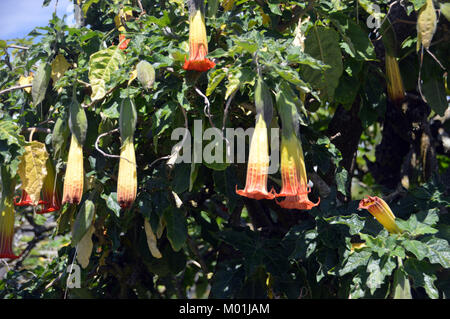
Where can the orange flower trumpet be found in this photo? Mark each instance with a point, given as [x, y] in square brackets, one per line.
[381, 211]
[198, 43]
[258, 164]
[293, 175]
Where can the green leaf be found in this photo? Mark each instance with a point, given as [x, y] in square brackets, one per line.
[422, 275]
[10, 132]
[401, 285]
[356, 42]
[418, 4]
[354, 222]
[342, 180]
[355, 260]
[419, 249]
[215, 78]
[87, 5]
[438, 251]
[102, 65]
[445, 10]
[83, 221]
[423, 227]
[40, 82]
[176, 227]
[322, 43]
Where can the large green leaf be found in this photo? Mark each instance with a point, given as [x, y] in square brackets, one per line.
[40, 82]
[101, 65]
[322, 43]
[10, 132]
[83, 221]
[422, 275]
[176, 227]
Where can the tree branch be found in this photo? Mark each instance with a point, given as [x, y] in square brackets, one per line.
[18, 87]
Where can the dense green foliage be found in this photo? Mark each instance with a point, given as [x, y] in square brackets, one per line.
[214, 243]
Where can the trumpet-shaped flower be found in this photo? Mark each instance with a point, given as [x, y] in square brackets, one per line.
[381, 211]
[127, 179]
[25, 199]
[198, 44]
[74, 179]
[51, 196]
[258, 164]
[7, 229]
[295, 187]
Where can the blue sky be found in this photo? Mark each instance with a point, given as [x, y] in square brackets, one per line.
[19, 17]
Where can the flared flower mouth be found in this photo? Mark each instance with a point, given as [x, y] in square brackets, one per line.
[198, 45]
[258, 165]
[381, 211]
[295, 187]
[25, 200]
[299, 201]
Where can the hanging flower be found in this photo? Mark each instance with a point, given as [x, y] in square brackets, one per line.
[381, 211]
[73, 182]
[127, 179]
[258, 164]
[50, 192]
[395, 88]
[7, 230]
[25, 199]
[198, 44]
[293, 175]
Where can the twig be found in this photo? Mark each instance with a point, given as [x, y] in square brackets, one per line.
[140, 7]
[207, 112]
[227, 107]
[37, 130]
[18, 87]
[106, 154]
[13, 46]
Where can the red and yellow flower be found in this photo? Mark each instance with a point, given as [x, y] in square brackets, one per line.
[295, 187]
[381, 211]
[198, 44]
[25, 199]
[51, 196]
[7, 229]
[258, 164]
[74, 179]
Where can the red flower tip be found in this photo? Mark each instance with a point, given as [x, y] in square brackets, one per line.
[300, 201]
[25, 200]
[256, 193]
[365, 203]
[8, 256]
[198, 65]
